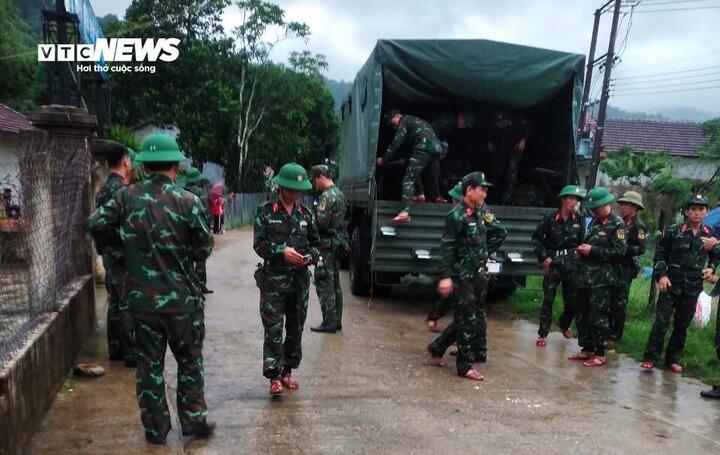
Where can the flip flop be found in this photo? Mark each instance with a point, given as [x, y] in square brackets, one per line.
[289, 382]
[276, 387]
[675, 368]
[401, 219]
[595, 361]
[88, 370]
[647, 365]
[582, 355]
[541, 342]
[474, 375]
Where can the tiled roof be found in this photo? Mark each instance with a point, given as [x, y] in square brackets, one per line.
[12, 121]
[679, 139]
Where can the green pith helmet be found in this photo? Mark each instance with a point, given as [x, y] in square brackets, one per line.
[632, 197]
[389, 116]
[160, 148]
[456, 192]
[597, 197]
[572, 190]
[293, 177]
[697, 199]
[320, 169]
[193, 175]
[474, 179]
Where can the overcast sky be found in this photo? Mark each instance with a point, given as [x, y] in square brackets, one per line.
[658, 43]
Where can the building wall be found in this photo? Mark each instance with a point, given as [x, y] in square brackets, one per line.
[686, 168]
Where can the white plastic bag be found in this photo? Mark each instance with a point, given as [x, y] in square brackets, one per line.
[703, 309]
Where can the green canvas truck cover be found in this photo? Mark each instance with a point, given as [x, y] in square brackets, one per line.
[449, 72]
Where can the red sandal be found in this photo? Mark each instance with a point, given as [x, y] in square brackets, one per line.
[289, 382]
[675, 368]
[582, 355]
[541, 342]
[474, 375]
[647, 365]
[402, 217]
[595, 361]
[276, 387]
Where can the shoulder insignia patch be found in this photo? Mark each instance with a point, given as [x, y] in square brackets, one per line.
[602, 233]
[275, 207]
[468, 211]
[621, 234]
[641, 234]
[321, 206]
[488, 217]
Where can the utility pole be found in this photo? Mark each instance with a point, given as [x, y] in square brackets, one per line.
[597, 143]
[588, 73]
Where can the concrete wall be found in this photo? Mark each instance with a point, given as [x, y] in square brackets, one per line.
[29, 383]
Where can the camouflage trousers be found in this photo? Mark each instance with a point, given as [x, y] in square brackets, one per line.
[418, 160]
[440, 308]
[618, 308]
[565, 274]
[504, 170]
[593, 318]
[278, 307]
[201, 270]
[469, 327]
[329, 292]
[430, 177]
[184, 333]
[677, 304]
[120, 332]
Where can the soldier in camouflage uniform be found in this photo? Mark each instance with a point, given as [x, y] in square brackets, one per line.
[286, 237]
[470, 235]
[714, 392]
[635, 229]
[506, 146]
[195, 183]
[603, 247]
[329, 217]
[682, 257]
[426, 148]
[556, 239]
[444, 304]
[164, 232]
[119, 321]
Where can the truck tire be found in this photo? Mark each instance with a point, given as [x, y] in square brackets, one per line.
[358, 267]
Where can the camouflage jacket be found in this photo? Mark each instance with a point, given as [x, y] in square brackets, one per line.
[506, 133]
[418, 133]
[202, 194]
[607, 240]
[163, 233]
[329, 216]
[469, 237]
[274, 230]
[556, 238]
[112, 245]
[680, 255]
[635, 239]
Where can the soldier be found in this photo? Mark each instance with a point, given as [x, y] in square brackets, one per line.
[444, 304]
[714, 393]
[470, 235]
[329, 216]
[119, 320]
[426, 148]
[630, 203]
[681, 258]
[506, 146]
[604, 245]
[556, 239]
[194, 183]
[164, 233]
[286, 237]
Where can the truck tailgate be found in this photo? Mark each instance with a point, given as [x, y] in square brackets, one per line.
[415, 247]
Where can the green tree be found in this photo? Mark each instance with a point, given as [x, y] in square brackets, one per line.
[21, 84]
[710, 150]
[636, 167]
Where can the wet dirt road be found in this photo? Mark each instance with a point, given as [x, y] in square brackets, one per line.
[371, 390]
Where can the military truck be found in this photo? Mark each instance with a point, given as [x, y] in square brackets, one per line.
[436, 78]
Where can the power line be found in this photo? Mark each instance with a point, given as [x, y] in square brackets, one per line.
[663, 62]
[666, 91]
[630, 3]
[693, 70]
[677, 9]
[622, 87]
[665, 79]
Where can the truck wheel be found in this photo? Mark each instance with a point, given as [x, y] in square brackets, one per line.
[358, 265]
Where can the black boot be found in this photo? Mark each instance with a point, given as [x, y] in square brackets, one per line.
[322, 328]
[713, 394]
[203, 431]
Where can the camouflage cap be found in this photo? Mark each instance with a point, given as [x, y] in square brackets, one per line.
[474, 179]
[632, 197]
[320, 169]
[597, 197]
[697, 199]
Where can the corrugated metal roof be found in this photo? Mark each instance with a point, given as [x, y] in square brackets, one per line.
[677, 138]
[12, 121]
